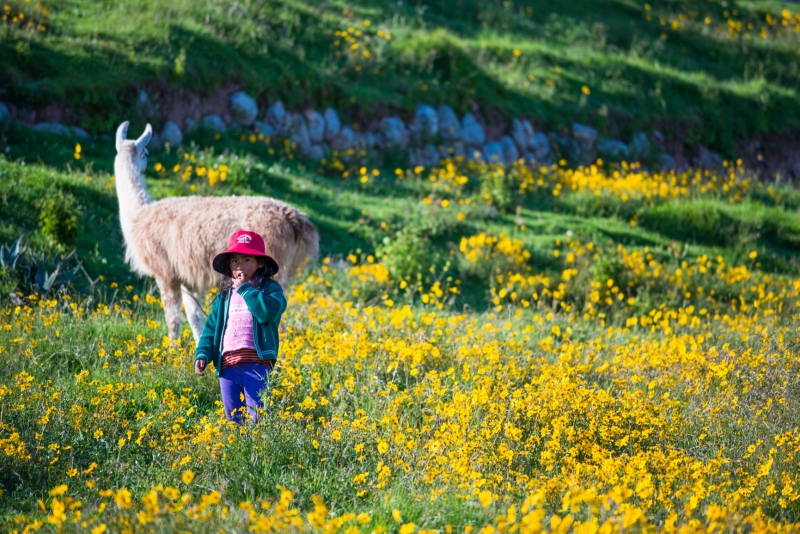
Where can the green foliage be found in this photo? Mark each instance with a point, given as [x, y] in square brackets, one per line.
[497, 187]
[407, 255]
[24, 270]
[59, 219]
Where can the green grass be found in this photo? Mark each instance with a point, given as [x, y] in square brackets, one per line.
[697, 82]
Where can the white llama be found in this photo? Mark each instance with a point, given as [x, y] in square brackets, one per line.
[175, 239]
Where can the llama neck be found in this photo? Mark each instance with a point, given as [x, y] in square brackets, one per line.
[131, 192]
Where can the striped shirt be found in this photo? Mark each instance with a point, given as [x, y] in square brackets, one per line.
[235, 357]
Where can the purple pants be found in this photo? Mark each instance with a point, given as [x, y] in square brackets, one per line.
[241, 386]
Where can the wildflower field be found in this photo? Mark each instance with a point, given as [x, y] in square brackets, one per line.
[477, 350]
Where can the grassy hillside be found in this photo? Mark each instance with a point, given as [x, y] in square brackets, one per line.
[559, 349]
[705, 72]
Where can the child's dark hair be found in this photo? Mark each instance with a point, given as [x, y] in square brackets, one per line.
[259, 278]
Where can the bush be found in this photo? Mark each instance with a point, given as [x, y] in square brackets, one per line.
[58, 219]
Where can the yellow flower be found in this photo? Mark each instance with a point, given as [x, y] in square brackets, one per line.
[407, 528]
[383, 447]
[585, 90]
[485, 497]
[187, 476]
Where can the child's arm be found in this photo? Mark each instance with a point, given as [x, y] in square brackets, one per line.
[266, 305]
[205, 344]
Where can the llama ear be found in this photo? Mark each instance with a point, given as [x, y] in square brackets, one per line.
[122, 134]
[141, 143]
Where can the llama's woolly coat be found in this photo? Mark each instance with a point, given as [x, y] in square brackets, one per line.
[161, 247]
[175, 239]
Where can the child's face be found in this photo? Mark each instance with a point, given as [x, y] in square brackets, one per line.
[243, 266]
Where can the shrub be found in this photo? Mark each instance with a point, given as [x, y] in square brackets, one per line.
[58, 219]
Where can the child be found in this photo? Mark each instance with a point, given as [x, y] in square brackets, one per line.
[241, 333]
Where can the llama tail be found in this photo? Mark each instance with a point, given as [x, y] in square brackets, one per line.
[307, 243]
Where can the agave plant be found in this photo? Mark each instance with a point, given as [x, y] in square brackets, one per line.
[9, 256]
[33, 272]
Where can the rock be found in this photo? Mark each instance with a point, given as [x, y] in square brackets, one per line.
[667, 162]
[706, 159]
[53, 128]
[613, 149]
[298, 133]
[426, 121]
[474, 154]
[264, 128]
[190, 125]
[449, 126]
[510, 152]
[455, 150]
[316, 125]
[494, 153]
[332, 124]
[171, 134]
[585, 136]
[540, 146]
[344, 140]
[214, 123]
[144, 105]
[658, 137]
[530, 158]
[471, 131]
[277, 117]
[77, 131]
[4, 114]
[244, 109]
[316, 152]
[154, 142]
[522, 133]
[426, 156]
[369, 139]
[640, 145]
[393, 133]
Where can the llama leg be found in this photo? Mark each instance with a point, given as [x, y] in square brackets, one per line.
[194, 311]
[171, 298]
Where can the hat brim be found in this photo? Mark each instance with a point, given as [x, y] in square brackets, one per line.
[220, 261]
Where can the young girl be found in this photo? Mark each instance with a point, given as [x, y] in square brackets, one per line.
[241, 333]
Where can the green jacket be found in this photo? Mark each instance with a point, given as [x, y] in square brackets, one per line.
[266, 304]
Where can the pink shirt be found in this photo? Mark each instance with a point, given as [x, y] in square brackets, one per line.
[239, 328]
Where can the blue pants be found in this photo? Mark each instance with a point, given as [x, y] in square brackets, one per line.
[241, 386]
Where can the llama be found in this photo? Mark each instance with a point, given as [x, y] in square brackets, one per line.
[175, 238]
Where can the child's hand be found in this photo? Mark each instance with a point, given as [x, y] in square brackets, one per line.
[239, 280]
[199, 366]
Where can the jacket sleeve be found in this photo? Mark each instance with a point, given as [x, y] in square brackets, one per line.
[205, 346]
[266, 304]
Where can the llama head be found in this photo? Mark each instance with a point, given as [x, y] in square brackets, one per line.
[135, 152]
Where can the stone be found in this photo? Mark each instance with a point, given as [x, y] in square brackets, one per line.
[474, 154]
[449, 126]
[640, 145]
[171, 134]
[298, 133]
[244, 109]
[77, 131]
[540, 147]
[144, 105]
[277, 117]
[332, 124]
[707, 159]
[316, 125]
[471, 131]
[585, 136]
[510, 152]
[452, 151]
[55, 128]
[530, 158]
[315, 152]
[214, 123]
[344, 140]
[190, 125]
[667, 163]
[426, 121]
[426, 156]
[613, 149]
[494, 153]
[522, 133]
[369, 139]
[4, 113]
[394, 133]
[264, 128]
